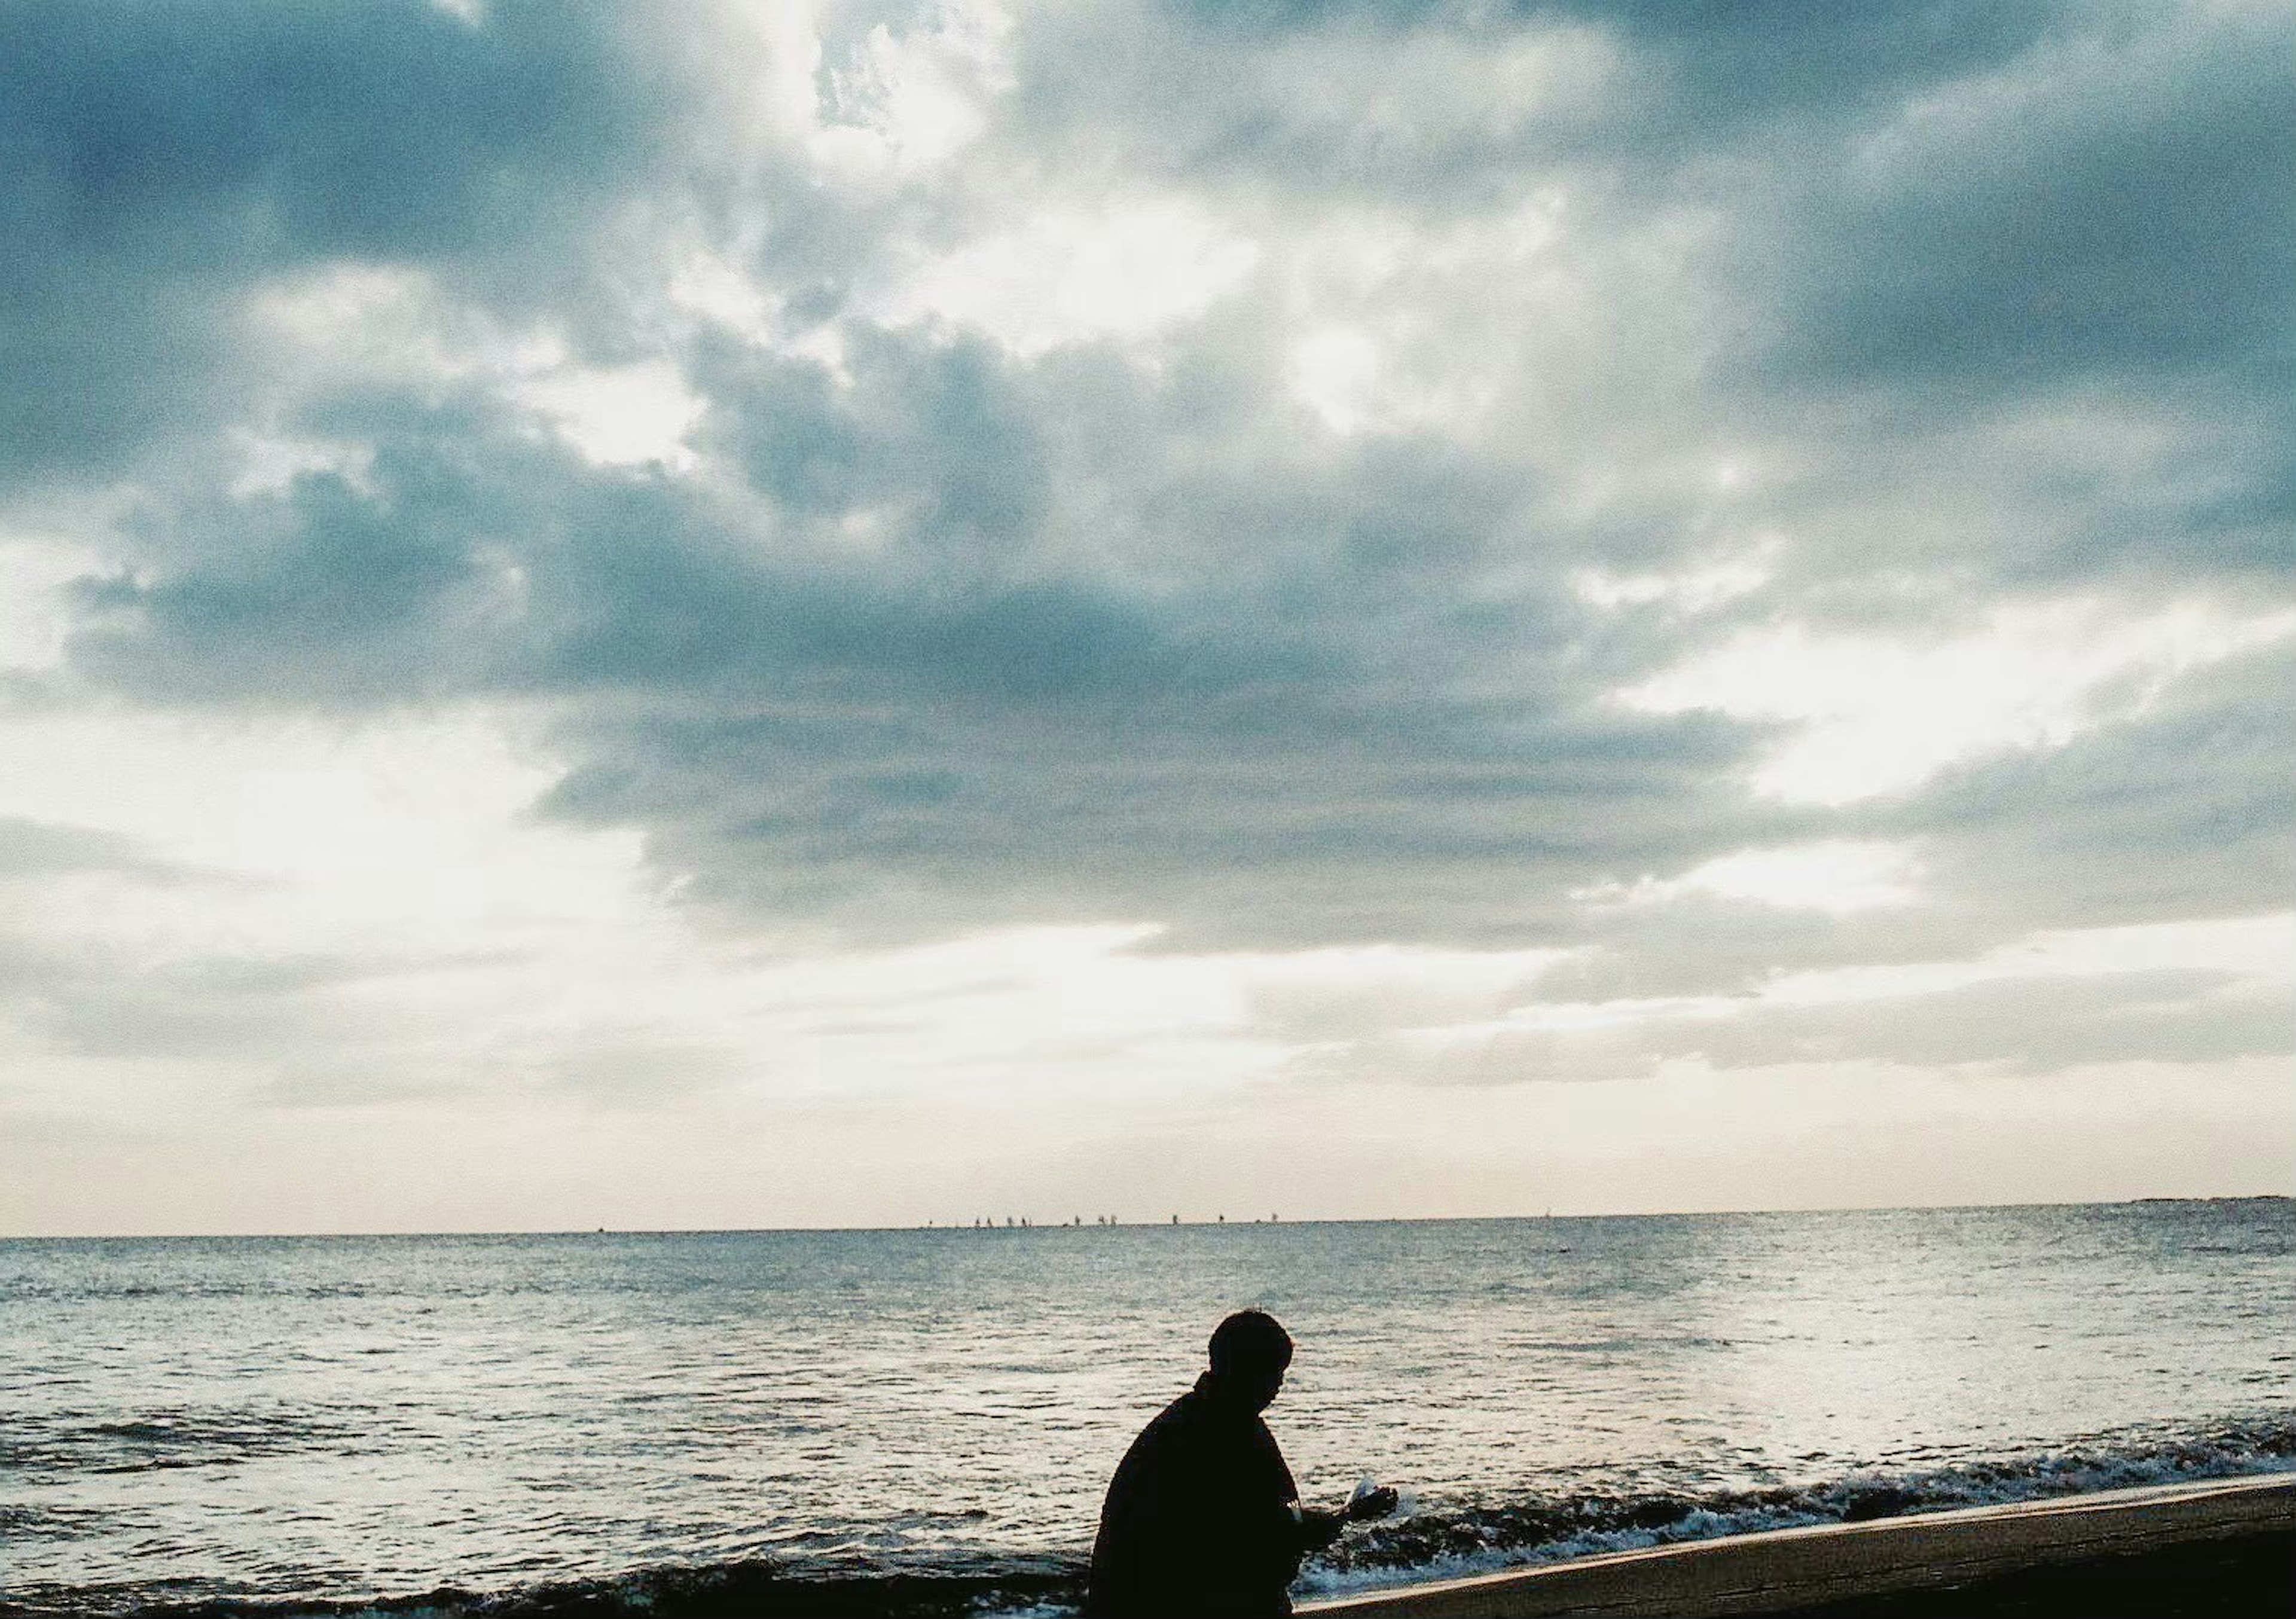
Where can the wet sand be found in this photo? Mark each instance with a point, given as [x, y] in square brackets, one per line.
[2226, 1547]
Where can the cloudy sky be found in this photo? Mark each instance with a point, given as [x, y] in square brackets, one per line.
[785, 613]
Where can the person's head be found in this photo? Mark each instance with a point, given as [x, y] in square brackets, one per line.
[1250, 1352]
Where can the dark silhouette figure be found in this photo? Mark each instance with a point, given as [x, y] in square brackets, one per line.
[1202, 1517]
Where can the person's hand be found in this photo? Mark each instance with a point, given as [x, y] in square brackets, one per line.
[1377, 1503]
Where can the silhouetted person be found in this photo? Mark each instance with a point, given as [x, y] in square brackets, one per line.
[1202, 1517]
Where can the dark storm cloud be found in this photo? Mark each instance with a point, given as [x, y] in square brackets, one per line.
[2102, 227]
[1274, 834]
[1727, 61]
[1918, 213]
[1253, 714]
[318, 589]
[1396, 102]
[951, 635]
[155, 162]
[2060, 221]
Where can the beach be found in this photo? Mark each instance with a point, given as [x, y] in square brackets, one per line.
[2243, 1577]
[2223, 1547]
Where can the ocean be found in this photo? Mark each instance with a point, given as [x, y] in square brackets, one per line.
[923, 1421]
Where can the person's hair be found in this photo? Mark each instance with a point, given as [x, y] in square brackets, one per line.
[1251, 1343]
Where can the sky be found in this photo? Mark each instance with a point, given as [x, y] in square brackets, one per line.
[821, 614]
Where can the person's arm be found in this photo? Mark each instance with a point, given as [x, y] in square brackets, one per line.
[1320, 1526]
[1372, 1504]
[1276, 1528]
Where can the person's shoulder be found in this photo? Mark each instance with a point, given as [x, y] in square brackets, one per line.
[1190, 1407]
[1168, 1450]
[1173, 1421]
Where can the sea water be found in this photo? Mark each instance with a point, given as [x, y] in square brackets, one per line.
[761, 1419]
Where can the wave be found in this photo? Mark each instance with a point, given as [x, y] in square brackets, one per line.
[1481, 1538]
[70, 1443]
[752, 1587]
[1438, 1542]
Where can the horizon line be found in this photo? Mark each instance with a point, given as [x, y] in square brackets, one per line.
[1168, 1223]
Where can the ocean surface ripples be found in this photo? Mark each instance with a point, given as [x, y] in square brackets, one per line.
[923, 1421]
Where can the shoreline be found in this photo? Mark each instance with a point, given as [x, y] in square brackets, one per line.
[2223, 1546]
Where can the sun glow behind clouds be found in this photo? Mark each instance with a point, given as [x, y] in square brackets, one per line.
[1879, 715]
[497, 949]
[502, 968]
[401, 836]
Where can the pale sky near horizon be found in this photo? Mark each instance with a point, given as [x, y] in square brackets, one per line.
[853, 614]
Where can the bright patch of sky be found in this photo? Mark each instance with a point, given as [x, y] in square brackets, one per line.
[1878, 715]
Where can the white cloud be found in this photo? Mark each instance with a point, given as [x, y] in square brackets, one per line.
[402, 839]
[623, 415]
[1837, 876]
[271, 461]
[368, 323]
[2258, 951]
[2262, 948]
[1123, 270]
[35, 616]
[715, 287]
[1392, 325]
[1336, 369]
[907, 104]
[382, 324]
[1706, 584]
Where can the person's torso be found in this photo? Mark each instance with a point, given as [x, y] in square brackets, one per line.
[1197, 1518]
